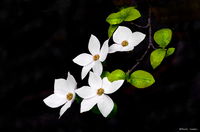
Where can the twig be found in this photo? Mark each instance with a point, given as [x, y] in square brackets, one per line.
[150, 45]
[146, 26]
[150, 31]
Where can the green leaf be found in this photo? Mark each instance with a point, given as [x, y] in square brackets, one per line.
[105, 74]
[163, 37]
[115, 18]
[130, 14]
[157, 57]
[111, 30]
[141, 79]
[113, 112]
[95, 110]
[117, 75]
[126, 14]
[78, 99]
[170, 51]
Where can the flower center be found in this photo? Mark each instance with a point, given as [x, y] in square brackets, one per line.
[100, 91]
[96, 57]
[124, 43]
[69, 96]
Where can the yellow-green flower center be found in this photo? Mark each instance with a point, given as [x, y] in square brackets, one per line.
[100, 91]
[96, 57]
[124, 43]
[69, 96]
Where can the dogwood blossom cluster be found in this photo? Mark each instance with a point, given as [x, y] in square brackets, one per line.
[99, 89]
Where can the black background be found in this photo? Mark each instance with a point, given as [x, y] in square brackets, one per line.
[39, 39]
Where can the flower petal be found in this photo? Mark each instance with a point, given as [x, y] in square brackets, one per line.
[137, 37]
[60, 86]
[122, 33]
[98, 68]
[94, 45]
[83, 59]
[130, 47]
[54, 100]
[71, 83]
[65, 107]
[114, 48]
[94, 80]
[104, 51]
[88, 104]
[86, 69]
[86, 92]
[105, 105]
[114, 86]
[106, 83]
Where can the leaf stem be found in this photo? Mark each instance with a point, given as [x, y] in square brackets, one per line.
[150, 45]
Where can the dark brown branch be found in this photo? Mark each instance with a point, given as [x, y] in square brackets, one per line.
[146, 26]
[150, 44]
[150, 31]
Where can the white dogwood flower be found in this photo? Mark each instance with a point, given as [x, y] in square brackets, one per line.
[93, 60]
[125, 40]
[64, 94]
[96, 93]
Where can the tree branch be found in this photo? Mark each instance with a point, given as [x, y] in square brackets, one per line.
[150, 44]
[146, 26]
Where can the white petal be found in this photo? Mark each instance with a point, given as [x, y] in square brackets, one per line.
[83, 59]
[114, 86]
[65, 107]
[137, 37]
[60, 86]
[54, 100]
[115, 47]
[106, 83]
[94, 45]
[130, 47]
[122, 33]
[98, 68]
[88, 104]
[94, 81]
[86, 69]
[71, 83]
[104, 51]
[86, 92]
[105, 105]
